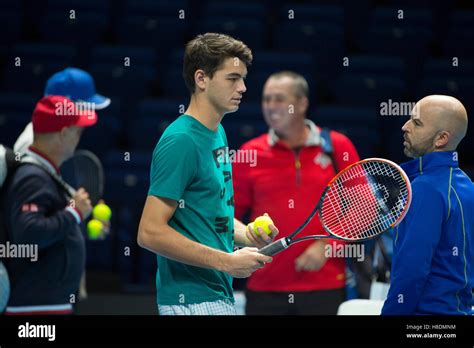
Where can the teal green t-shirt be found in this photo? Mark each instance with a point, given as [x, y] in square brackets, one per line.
[191, 166]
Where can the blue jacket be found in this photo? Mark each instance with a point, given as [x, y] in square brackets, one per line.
[433, 255]
[55, 276]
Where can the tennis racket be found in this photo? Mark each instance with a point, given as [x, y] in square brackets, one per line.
[362, 201]
[85, 170]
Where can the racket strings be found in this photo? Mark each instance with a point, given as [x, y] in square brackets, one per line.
[365, 200]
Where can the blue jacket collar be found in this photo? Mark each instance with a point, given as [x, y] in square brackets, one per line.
[419, 165]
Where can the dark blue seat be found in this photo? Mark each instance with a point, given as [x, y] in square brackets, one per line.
[134, 160]
[341, 116]
[126, 82]
[163, 109]
[248, 111]
[460, 88]
[108, 54]
[412, 17]
[155, 7]
[103, 136]
[160, 32]
[11, 126]
[251, 31]
[81, 6]
[238, 9]
[17, 102]
[376, 65]
[38, 62]
[330, 14]
[239, 132]
[364, 90]
[126, 187]
[86, 28]
[144, 133]
[444, 68]
[10, 22]
[172, 85]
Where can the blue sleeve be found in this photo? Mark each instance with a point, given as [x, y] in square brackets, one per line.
[415, 242]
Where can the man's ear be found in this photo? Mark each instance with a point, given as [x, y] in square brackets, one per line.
[442, 139]
[200, 79]
[63, 134]
[303, 104]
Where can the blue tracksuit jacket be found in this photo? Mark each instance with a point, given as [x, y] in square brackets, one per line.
[433, 256]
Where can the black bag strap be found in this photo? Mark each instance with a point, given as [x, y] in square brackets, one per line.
[328, 148]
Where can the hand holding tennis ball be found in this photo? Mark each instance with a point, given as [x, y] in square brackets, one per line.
[262, 222]
[95, 229]
[102, 212]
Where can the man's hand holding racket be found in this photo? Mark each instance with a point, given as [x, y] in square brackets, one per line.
[83, 203]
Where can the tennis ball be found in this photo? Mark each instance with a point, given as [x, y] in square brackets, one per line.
[94, 229]
[102, 212]
[262, 222]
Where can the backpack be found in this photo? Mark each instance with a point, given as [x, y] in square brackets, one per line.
[8, 164]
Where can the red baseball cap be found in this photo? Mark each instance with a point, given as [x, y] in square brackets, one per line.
[53, 113]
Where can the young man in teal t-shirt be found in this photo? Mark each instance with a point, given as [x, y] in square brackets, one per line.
[188, 218]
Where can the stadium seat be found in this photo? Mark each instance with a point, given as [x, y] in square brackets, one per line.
[163, 109]
[239, 132]
[160, 32]
[251, 31]
[330, 14]
[445, 68]
[144, 133]
[17, 103]
[10, 22]
[376, 65]
[133, 160]
[364, 90]
[340, 116]
[85, 28]
[126, 82]
[154, 7]
[101, 7]
[238, 9]
[103, 136]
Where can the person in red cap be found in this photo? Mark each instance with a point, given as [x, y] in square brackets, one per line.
[41, 219]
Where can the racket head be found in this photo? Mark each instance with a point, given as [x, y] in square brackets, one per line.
[84, 169]
[365, 199]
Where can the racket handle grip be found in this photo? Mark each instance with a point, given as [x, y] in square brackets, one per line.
[275, 247]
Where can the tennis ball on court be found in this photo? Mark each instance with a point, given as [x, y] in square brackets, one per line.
[102, 212]
[262, 222]
[94, 229]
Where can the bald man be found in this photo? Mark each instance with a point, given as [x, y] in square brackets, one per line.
[433, 255]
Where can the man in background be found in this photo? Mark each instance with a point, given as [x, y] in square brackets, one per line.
[37, 212]
[291, 173]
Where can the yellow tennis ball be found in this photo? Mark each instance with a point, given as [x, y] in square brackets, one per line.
[102, 212]
[94, 229]
[262, 222]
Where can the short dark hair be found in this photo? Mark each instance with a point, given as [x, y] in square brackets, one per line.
[208, 51]
[300, 84]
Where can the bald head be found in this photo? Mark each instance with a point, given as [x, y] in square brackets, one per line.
[444, 114]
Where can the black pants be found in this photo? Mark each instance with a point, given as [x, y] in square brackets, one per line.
[321, 302]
